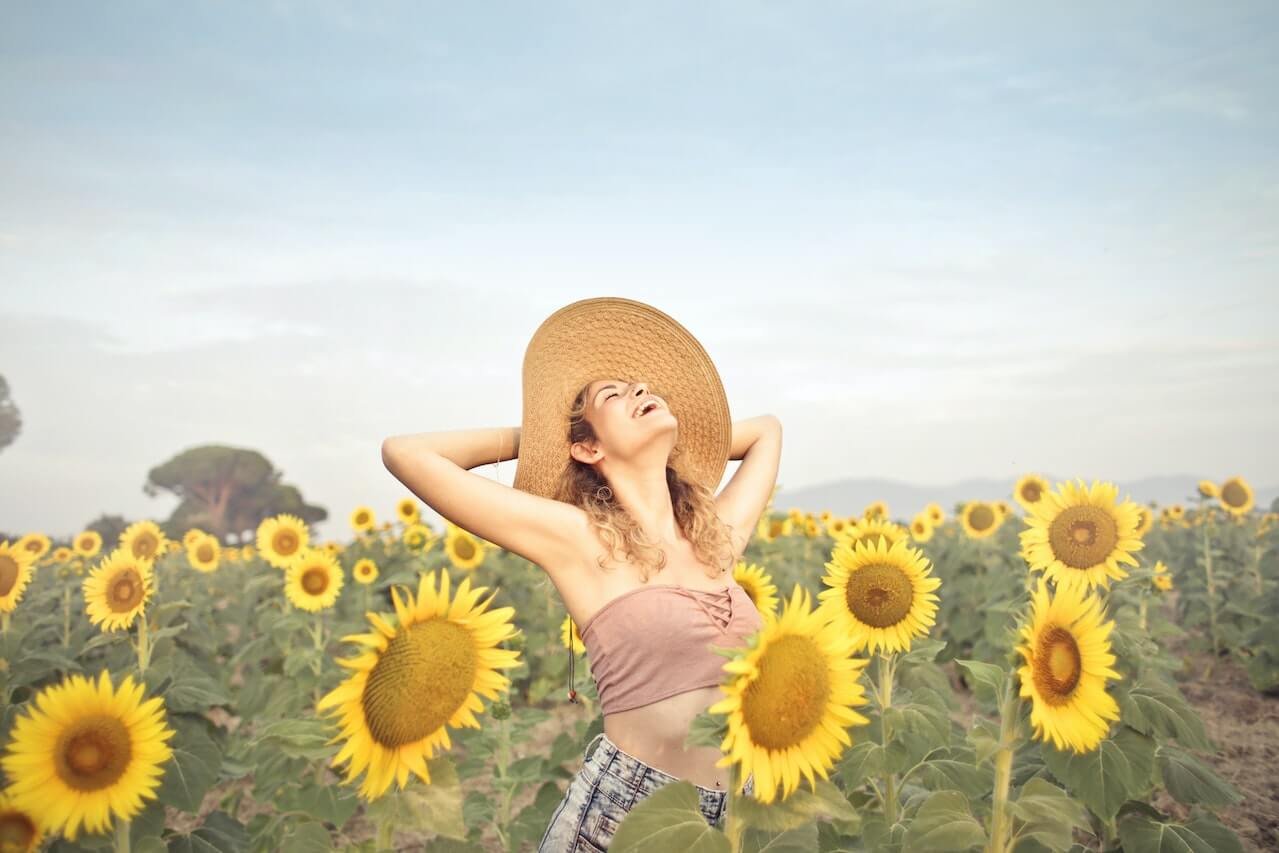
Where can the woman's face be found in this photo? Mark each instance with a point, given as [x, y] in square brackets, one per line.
[625, 419]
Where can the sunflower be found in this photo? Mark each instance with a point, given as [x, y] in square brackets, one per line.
[980, 519]
[85, 753]
[790, 698]
[364, 571]
[281, 538]
[204, 553]
[770, 529]
[836, 526]
[417, 536]
[872, 531]
[921, 527]
[565, 627]
[1207, 489]
[87, 543]
[1066, 649]
[1145, 520]
[313, 580]
[15, 573]
[881, 596]
[1078, 535]
[19, 830]
[758, 584]
[407, 511]
[192, 536]
[1162, 578]
[1029, 489]
[875, 509]
[463, 550]
[35, 544]
[1237, 496]
[247, 552]
[144, 540]
[414, 679]
[61, 554]
[362, 519]
[118, 590]
[1004, 509]
[1176, 512]
[795, 515]
[936, 514]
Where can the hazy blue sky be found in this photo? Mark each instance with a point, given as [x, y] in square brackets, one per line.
[973, 240]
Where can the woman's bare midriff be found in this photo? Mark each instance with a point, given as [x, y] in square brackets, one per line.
[655, 733]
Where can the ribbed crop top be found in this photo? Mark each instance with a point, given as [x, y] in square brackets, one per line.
[654, 642]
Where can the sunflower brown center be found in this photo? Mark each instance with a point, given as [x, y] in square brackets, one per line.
[1083, 536]
[315, 580]
[8, 573]
[465, 550]
[1057, 666]
[1031, 492]
[204, 553]
[788, 699]
[285, 542]
[981, 517]
[93, 753]
[362, 518]
[125, 591]
[879, 595]
[419, 681]
[1234, 494]
[145, 546]
[17, 831]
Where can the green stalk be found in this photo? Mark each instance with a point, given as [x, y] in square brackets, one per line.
[1212, 593]
[385, 835]
[66, 616]
[885, 701]
[1256, 568]
[1000, 823]
[144, 644]
[317, 634]
[122, 836]
[4, 622]
[732, 823]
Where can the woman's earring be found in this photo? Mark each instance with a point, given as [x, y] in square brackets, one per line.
[604, 497]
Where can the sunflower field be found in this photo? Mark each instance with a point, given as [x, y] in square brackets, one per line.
[1064, 670]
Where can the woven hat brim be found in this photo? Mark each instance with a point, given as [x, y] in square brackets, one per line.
[615, 337]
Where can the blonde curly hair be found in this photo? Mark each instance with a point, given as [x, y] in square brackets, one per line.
[694, 506]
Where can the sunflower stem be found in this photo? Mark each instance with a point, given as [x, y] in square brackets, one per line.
[885, 700]
[122, 836]
[999, 819]
[1212, 592]
[144, 644]
[317, 634]
[1141, 609]
[1256, 568]
[732, 823]
[385, 835]
[4, 622]
[66, 616]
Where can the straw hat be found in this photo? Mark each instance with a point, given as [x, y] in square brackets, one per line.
[614, 337]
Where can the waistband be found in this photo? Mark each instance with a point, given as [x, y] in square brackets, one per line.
[613, 755]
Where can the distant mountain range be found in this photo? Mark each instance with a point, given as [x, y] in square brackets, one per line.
[850, 497]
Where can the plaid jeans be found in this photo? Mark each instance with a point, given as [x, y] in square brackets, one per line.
[608, 786]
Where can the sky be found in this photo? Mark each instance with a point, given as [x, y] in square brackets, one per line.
[967, 239]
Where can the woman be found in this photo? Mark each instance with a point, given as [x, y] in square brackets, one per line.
[625, 434]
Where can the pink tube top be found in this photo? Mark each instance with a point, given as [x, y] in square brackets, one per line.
[654, 642]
